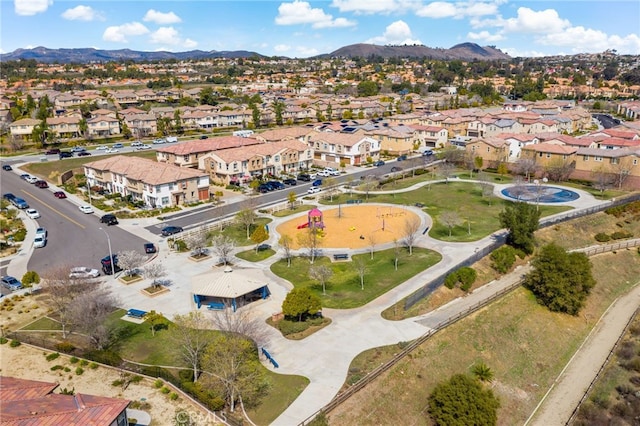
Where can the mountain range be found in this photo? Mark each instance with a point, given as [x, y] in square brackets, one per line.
[464, 51]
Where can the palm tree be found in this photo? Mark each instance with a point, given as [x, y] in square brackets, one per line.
[482, 372]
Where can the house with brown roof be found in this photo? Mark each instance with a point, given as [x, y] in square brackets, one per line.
[429, 136]
[282, 134]
[555, 161]
[612, 167]
[188, 153]
[103, 126]
[397, 140]
[23, 128]
[155, 184]
[492, 150]
[353, 148]
[65, 127]
[31, 402]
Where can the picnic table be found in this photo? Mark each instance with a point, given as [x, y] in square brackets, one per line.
[136, 313]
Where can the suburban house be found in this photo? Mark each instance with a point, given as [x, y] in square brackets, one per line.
[552, 160]
[155, 184]
[609, 167]
[429, 136]
[187, 154]
[65, 127]
[23, 128]
[395, 140]
[31, 402]
[493, 151]
[141, 123]
[281, 134]
[239, 165]
[516, 141]
[353, 148]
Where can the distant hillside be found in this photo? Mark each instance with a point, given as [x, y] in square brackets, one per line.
[84, 55]
[465, 51]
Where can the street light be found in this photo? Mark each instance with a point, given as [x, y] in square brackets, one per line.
[113, 266]
[538, 184]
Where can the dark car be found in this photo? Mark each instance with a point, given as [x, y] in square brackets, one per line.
[317, 182]
[276, 185]
[41, 184]
[290, 182]
[170, 230]
[263, 188]
[65, 155]
[305, 177]
[109, 219]
[396, 169]
[149, 248]
[83, 153]
[8, 196]
[107, 267]
[53, 151]
[402, 158]
[204, 137]
[379, 163]
[60, 194]
[7, 167]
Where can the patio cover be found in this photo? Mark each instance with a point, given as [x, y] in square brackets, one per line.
[228, 283]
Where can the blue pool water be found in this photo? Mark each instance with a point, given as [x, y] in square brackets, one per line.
[540, 193]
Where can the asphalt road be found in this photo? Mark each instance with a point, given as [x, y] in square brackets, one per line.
[606, 120]
[75, 238]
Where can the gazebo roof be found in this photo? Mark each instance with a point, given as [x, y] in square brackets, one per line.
[228, 283]
[315, 212]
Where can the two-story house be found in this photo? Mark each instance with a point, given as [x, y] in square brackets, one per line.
[353, 148]
[187, 154]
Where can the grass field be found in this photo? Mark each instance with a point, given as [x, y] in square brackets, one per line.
[524, 344]
[343, 289]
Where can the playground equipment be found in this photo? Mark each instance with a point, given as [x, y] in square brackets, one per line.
[303, 225]
[314, 220]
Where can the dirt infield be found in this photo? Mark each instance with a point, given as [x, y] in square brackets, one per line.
[353, 226]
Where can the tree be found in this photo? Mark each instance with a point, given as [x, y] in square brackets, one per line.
[155, 320]
[190, 336]
[450, 219]
[445, 170]
[602, 178]
[397, 250]
[299, 303]
[462, 401]
[526, 167]
[247, 217]
[241, 322]
[285, 242]
[232, 362]
[478, 162]
[259, 235]
[309, 240]
[129, 261]
[373, 240]
[321, 273]
[90, 311]
[153, 271]
[361, 268]
[197, 242]
[223, 247]
[411, 232]
[482, 372]
[522, 221]
[502, 169]
[559, 170]
[291, 198]
[560, 280]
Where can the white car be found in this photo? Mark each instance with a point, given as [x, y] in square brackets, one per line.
[83, 272]
[143, 146]
[313, 190]
[136, 143]
[41, 232]
[39, 241]
[32, 213]
[32, 179]
[111, 150]
[101, 148]
[86, 209]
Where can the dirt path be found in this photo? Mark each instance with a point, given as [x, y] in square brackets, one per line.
[563, 397]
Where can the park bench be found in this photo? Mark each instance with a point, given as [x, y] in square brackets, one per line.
[216, 306]
[340, 256]
[270, 358]
[136, 313]
[354, 201]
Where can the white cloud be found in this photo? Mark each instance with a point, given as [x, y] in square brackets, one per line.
[485, 36]
[397, 33]
[31, 7]
[170, 36]
[82, 13]
[119, 34]
[458, 10]
[532, 22]
[580, 39]
[382, 7]
[517, 53]
[306, 51]
[281, 48]
[161, 18]
[300, 12]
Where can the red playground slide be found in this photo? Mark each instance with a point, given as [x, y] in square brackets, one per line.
[304, 225]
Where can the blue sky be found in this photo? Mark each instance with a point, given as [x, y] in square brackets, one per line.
[300, 29]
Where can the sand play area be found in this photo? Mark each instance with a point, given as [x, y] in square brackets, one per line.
[351, 226]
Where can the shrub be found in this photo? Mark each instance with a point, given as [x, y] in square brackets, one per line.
[93, 366]
[158, 383]
[451, 280]
[29, 278]
[602, 237]
[503, 259]
[136, 379]
[165, 390]
[3, 340]
[105, 357]
[65, 346]
[14, 343]
[466, 276]
[20, 234]
[287, 327]
[84, 363]
[56, 367]
[79, 371]
[173, 396]
[67, 369]
[117, 383]
[52, 356]
[620, 235]
[73, 360]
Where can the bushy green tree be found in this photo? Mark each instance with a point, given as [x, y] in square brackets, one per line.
[503, 259]
[300, 302]
[462, 401]
[464, 276]
[521, 220]
[29, 278]
[560, 280]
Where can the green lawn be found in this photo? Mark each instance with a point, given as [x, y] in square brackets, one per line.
[478, 215]
[343, 290]
[43, 323]
[238, 232]
[253, 256]
[283, 391]
[296, 209]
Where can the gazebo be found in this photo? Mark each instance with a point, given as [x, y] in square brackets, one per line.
[223, 287]
[314, 219]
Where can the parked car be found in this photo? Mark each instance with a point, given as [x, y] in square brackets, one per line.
[41, 183]
[11, 283]
[402, 158]
[86, 209]
[304, 177]
[136, 143]
[24, 176]
[170, 230]
[101, 148]
[107, 267]
[84, 272]
[112, 150]
[32, 213]
[78, 149]
[204, 137]
[149, 248]
[276, 185]
[7, 167]
[396, 169]
[109, 219]
[158, 141]
[427, 153]
[291, 182]
[379, 163]
[32, 179]
[53, 151]
[42, 232]
[313, 190]
[171, 139]
[60, 194]
[20, 203]
[144, 146]
[8, 196]
[317, 182]
[83, 154]
[263, 188]
[64, 154]
[39, 241]
[118, 145]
